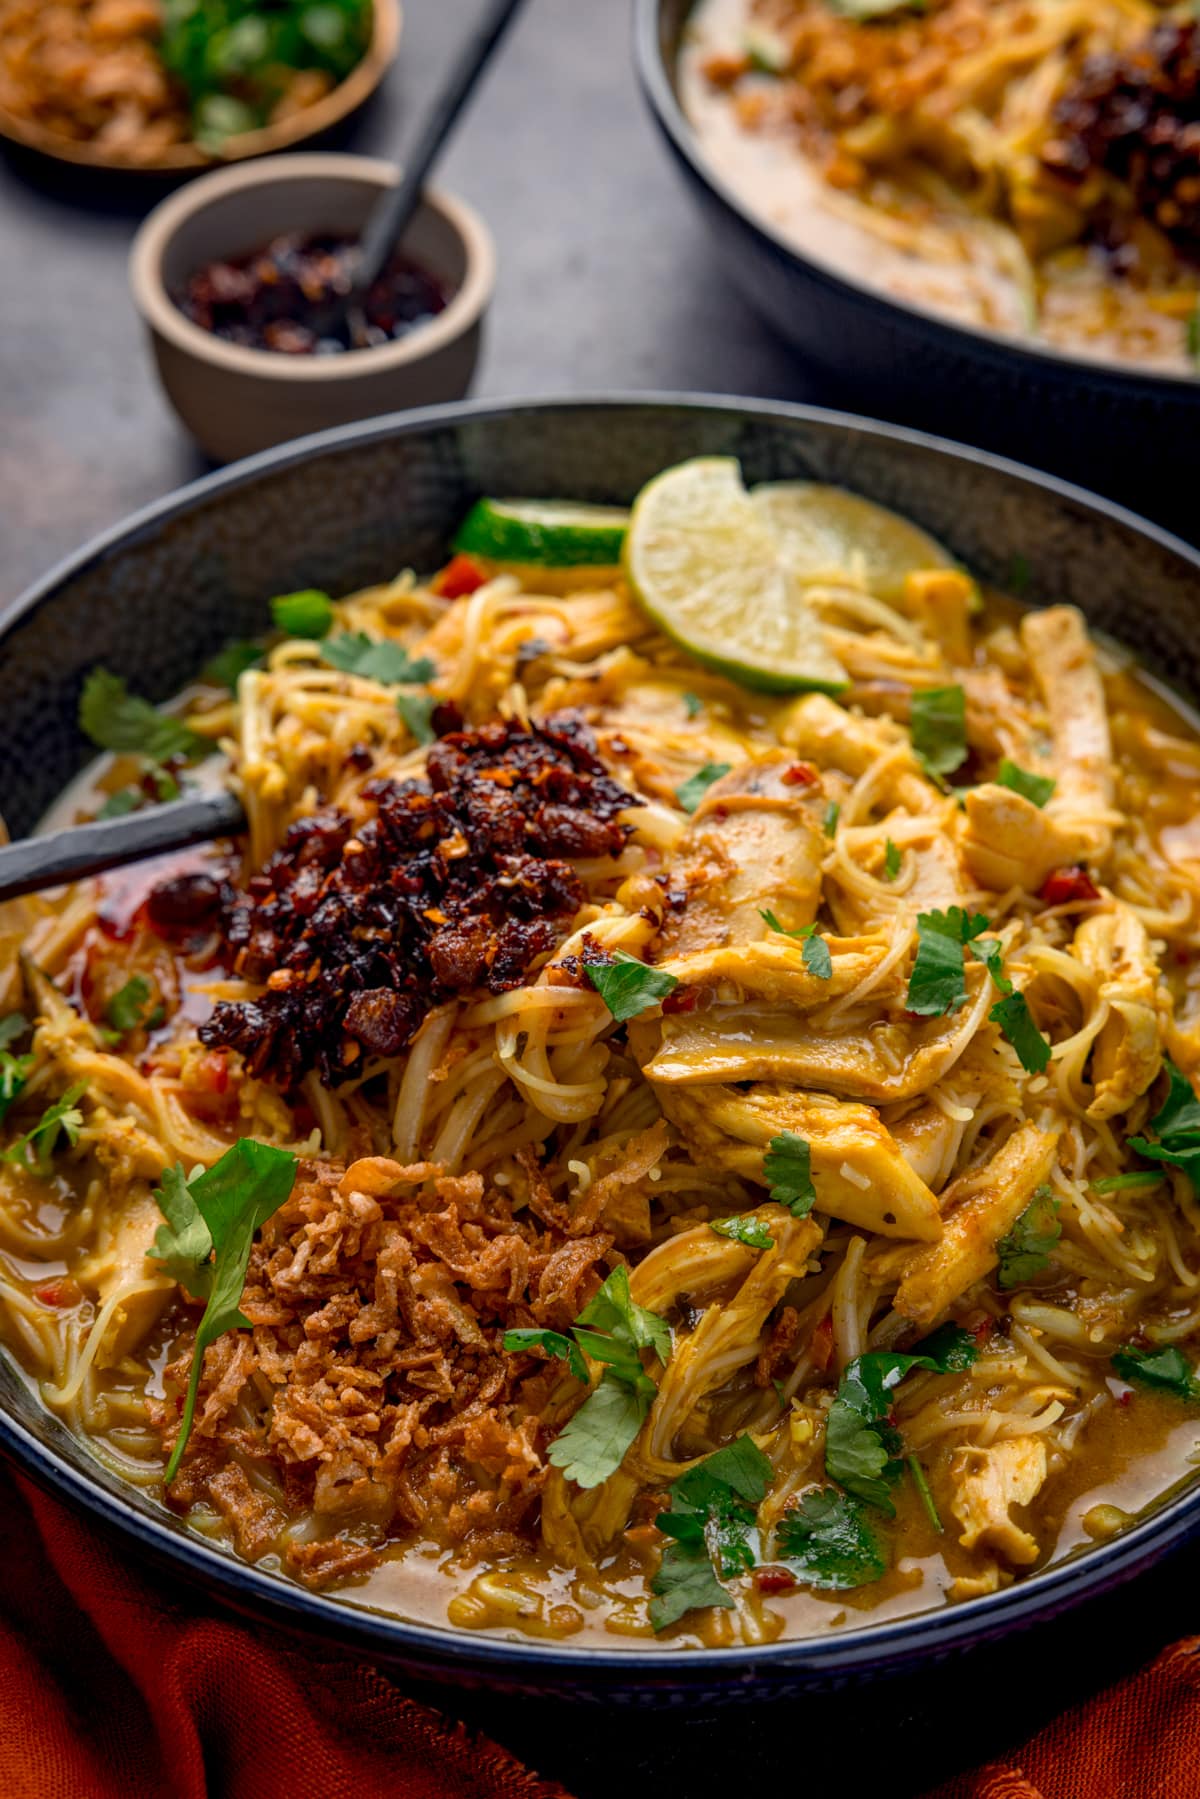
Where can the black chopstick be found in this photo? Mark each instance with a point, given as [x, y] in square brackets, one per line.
[36, 863]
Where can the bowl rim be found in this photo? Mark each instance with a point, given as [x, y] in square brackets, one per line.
[912, 1637]
[655, 77]
[353, 91]
[460, 315]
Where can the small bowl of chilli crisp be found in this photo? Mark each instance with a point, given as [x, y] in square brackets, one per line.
[174, 86]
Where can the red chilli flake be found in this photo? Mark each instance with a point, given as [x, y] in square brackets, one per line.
[1068, 887]
[454, 885]
[801, 774]
[462, 575]
[773, 1580]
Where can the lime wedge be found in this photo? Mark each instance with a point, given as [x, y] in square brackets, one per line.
[549, 533]
[706, 566]
[828, 535]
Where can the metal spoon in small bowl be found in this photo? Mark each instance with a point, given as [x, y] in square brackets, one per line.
[391, 215]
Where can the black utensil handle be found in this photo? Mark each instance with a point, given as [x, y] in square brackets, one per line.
[60, 856]
[388, 220]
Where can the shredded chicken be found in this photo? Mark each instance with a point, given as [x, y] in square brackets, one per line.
[988, 1483]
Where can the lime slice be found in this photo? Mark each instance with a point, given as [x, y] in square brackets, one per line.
[707, 568]
[828, 535]
[548, 533]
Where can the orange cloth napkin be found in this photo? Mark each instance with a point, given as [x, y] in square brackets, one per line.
[111, 1689]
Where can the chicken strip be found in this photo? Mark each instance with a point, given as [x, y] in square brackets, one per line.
[980, 1207]
[1128, 1052]
[1064, 662]
[775, 970]
[987, 1484]
[120, 1273]
[820, 729]
[857, 1168]
[892, 1058]
[755, 842]
[929, 1139]
[1007, 841]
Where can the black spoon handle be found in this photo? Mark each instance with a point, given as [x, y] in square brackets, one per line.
[60, 856]
[389, 218]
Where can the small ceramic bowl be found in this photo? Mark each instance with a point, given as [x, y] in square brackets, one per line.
[234, 400]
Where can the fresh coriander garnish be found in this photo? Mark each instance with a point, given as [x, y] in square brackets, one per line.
[129, 1006]
[308, 613]
[827, 1542]
[1037, 788]
[205, 1243]
[815, 950]
[744, 1228]
[64, 1115]
[14, 1070]
[921, 1483]
[12, 1026]
[124, 723]
[938, 724]
[891, 861]
[710, 1521]
[554, 1344]
[830, 818]
[1137, 1177]
[628, 987]
[1016, 1022]
[938, 983]
[416, 709]
[1026, 1249]
[861, 1447]
[354, 653]
[787, 1170]
[613, 1329]
[229, 664]
[696, 786]
[1177, 1128]
[1166, 1368]
[692, 704]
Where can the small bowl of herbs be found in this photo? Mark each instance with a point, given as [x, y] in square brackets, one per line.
[169, 86]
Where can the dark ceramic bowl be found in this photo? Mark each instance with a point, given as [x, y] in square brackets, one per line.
[1116, 429]
[156, 597]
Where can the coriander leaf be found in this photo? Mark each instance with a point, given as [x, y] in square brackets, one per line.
[1166, 1368]
[232, 1201]
[613, 1308]
[938, 723]
[744, 1229]
[860, 1445]
[816, 955]
[990, 952]
[921, 1483]
[126, 799]
[554, 1344]
[1138, 1177]
[692, 704]
[1016, 1022]
[740, 1466]
[937, 983]
[64, 1115]
[830, 818]
[229, 664]
[827, 1542]
[14, 1072]
[787, 1170]
[856, 1453]
[127, 1008]
[1037, 788]
[416, 709]
[685, 1582]
[594, 1442]
[891, 861]
[1026, 1249]
[308, 613]
[697, 785]
[1180, 1111]
[950, 1349]
[123, 722]
[12, 1026]
[628, 987]
[1185, 1155]
[354, 653]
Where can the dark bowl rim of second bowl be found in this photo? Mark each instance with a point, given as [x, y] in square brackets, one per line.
[656, 76]
[875, 1648]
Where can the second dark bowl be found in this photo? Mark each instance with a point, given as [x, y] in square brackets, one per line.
[1125, 432]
